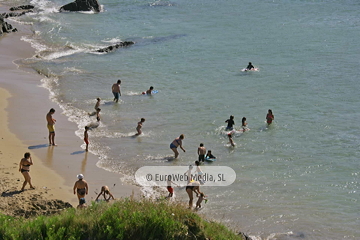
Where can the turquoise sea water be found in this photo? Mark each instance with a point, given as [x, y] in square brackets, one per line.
[297, 179]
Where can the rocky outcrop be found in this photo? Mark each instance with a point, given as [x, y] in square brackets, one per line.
[116, 46]
[81, 5]
[5, 27]
[14, 14]
[22, 7]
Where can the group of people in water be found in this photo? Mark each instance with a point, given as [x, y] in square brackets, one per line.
[81, 187]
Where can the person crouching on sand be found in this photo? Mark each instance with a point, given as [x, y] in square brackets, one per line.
[81, 187]
[24, 168]
[105, 191]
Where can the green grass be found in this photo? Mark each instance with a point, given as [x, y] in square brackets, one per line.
[123, 219]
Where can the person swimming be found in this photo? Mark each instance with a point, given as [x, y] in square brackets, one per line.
[250, 66]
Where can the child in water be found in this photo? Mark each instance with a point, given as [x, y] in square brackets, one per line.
[209, 155]
[231, 140]
[243, 123]
[200, 199]
[139, 126]
[98, 114]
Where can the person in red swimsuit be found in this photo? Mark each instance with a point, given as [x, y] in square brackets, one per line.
[269, 117]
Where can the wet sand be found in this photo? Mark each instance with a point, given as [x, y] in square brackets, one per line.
[24, 105]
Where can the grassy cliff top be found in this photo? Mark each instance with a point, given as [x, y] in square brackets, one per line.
[122, 219]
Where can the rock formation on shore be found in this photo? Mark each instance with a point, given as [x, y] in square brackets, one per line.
[81, 5]
[5, 27]
[22, 7]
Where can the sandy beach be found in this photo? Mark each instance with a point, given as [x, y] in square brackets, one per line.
[24, 104]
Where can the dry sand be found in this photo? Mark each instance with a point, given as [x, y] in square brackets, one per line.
[23, 106]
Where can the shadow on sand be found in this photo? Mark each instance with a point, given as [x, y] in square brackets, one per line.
[77, 152]
[38, 146]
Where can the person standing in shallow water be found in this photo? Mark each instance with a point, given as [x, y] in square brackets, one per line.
[116, 90]
[230, 123]
[24, 168]
[81, 187]
[269, 117]
[139, 126]
[51, 126]
[201, 152]
[97, 105]
[177, 143]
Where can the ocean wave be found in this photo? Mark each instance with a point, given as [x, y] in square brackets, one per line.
[34, 43]
[112, 40]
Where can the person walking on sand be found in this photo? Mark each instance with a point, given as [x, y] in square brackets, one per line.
[51, 126]
[97, 105]
[194, 186]
[177, 143]
[269, 117]
[24, 168]
[231, 140]
[139, 126]
[230, 123]
[86, 138]
[105, 191]
[116, 90]
[81, 187]
[201, 152]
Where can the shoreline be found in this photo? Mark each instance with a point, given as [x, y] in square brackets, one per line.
[24, 117]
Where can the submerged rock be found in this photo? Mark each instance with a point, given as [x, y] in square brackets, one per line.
[22, 7]
[15, 14]
[113, 47]
[81, 5]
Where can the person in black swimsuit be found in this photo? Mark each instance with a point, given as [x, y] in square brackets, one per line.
[24, 168]
[193, 186]
[81, 187]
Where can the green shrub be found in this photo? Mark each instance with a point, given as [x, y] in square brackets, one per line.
[123, 219]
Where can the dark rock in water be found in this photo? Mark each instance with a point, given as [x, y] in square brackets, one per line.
[81, 5]
[113, 47]
[14, 14]
[22, 7]
[5, 27]
[244, 236]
